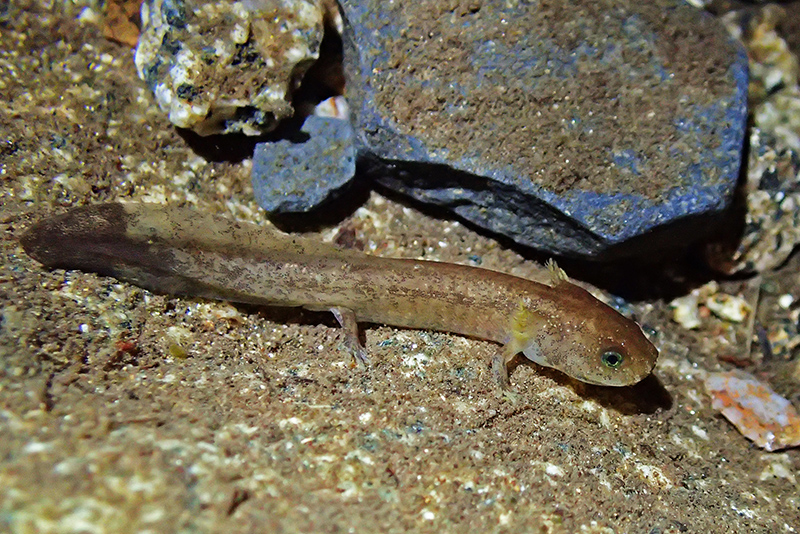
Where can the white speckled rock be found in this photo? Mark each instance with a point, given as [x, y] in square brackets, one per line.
[222, 66]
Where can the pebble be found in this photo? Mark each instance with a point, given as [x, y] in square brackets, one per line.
[761, 415]
[686, 309]
[225, 67]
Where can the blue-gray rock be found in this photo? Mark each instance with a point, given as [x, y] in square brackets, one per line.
[569, 126]
[293, 177]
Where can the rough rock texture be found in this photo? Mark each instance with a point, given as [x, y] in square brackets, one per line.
[295, 177]
[224, 66]
[568, 126]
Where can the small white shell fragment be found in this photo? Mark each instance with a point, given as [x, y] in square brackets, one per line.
[686, 311]
[334, 107]
[760, 414]
[732, 308]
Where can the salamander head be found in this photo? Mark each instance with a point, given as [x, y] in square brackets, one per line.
[589, 341]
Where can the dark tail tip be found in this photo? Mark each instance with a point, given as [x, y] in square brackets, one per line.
[65, 240]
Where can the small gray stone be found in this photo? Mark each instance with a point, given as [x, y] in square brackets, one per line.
[297, 177]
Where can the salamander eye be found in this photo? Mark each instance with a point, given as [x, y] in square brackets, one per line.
[612, 359]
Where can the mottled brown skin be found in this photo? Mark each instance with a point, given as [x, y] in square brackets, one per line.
[179, 251]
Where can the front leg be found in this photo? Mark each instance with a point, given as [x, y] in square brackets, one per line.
[501, 362]
[347, 319]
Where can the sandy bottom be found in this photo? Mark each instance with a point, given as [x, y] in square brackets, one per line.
[124, 411]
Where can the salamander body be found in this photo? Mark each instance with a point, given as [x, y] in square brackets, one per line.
[180, 251]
